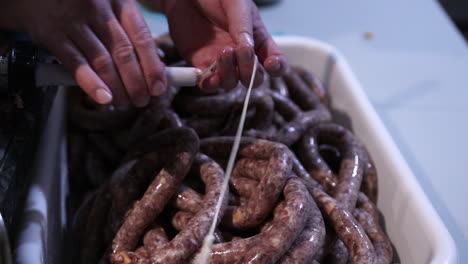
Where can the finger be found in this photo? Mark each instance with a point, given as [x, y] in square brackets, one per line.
[227, 68]
[101, 61]
[245, 66]
[109, 31]
[268, 52]
[239, 16]
[84, 75]
[259, 76]
[134, 24]
[211, 83]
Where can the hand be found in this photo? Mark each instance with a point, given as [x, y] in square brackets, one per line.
[228, 31]
[106, 44]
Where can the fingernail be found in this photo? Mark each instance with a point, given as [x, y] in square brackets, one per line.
[247, 39]
[141, 101]
[246, 55]
[158, 88]
[103, 96]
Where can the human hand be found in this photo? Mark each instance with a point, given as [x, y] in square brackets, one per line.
[105, 44]
[228, 31]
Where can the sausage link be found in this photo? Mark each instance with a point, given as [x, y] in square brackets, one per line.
[188, 200]
[209, 126]
[338, 254]
[186, 242]
[93, 119]
[299, 91]
[270, 245]
[314, 84]
[93, 244]
[279, 85]
[350, 174]
[171, 120]
[154, 239]
[346, 227]
[311, 239]
[272, 182]
[78, 227]
[129, 182]
[181, 219]
[369, 181]
[314, 163]
[298, 121]
[208, 105]
[106, 148]
[182, 145]
[367, 215]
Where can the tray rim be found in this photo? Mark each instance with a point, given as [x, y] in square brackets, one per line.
[444, 248]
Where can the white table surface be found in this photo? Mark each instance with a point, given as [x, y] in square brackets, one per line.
[415, 72]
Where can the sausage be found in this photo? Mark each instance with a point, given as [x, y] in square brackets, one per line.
[154, 239]
[243, 186]
[291, 133]
[314, 163]
[367, 215]
[153, 115]
[95, 169]
[346, 227]
[350, 174]
[297, 121]
[370, 180]
[187, 200]
[181, 220]
[279, 85]
[93, 244]
[129, 182]
[187, 241]
[299, 91]
[338, 253]
[182, 145]
[90, 119]
[209, 105]
[145, 125]
[78, 227]
[314, 84]
[278, 120]
[308, 243]
[109, 152]
[264, 110]
[76, 149]
[270, 245]
[171, 120]
[269, 189]
[204, 127]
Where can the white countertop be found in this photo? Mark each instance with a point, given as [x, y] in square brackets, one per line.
[415, 72]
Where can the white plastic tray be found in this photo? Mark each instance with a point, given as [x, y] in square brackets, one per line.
[412, 223]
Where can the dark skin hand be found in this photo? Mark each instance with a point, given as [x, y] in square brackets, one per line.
[108, 47]
[228, 31]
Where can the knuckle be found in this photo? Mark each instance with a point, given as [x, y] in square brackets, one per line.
[74, 60]
[124, 54]
[143, 38]
[102, 63]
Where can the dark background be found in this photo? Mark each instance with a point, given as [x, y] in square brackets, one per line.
[458, 11]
